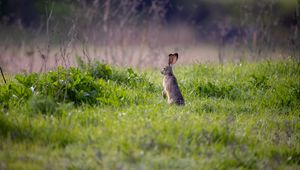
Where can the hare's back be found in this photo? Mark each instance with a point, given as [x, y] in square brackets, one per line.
[175, 92]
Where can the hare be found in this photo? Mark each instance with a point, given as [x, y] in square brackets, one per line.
[170, 85]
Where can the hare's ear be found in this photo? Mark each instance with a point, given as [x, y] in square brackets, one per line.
[173, 58]
[170, 59]
[176, 56]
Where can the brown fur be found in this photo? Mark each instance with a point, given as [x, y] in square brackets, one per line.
[171, 89]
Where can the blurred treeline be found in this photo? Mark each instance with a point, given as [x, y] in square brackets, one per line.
[198, 12]
[201, 13]
[255, 25]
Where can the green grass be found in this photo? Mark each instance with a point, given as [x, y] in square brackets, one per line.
[243, 116]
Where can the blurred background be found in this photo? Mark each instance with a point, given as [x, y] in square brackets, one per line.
[39, 35]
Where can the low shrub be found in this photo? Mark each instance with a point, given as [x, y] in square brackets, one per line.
[94, 84]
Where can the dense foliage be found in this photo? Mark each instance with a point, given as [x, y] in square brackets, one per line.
[96, 84]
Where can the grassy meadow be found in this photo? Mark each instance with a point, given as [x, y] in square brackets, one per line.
[97, 116]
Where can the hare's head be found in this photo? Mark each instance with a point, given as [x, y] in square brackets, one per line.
[167, 70]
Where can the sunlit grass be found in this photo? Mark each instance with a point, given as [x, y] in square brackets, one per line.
[236, 116]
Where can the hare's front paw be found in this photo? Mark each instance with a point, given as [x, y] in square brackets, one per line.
[164, 94]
